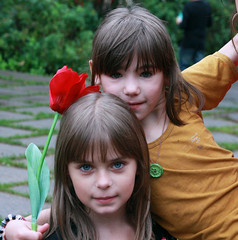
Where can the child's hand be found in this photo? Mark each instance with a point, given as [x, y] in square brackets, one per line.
[21, 230]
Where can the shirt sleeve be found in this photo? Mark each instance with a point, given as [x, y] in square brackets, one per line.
[213, 76]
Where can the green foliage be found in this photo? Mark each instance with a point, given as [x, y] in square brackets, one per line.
[217, 35]
[220, 32]
[41, 36]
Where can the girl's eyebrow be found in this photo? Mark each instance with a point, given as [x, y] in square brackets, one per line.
[116, 159]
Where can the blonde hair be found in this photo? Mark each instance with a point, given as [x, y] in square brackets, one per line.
[97, 121]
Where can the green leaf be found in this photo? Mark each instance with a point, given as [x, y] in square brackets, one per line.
[38, 190]
[44, 184]
[33, 156]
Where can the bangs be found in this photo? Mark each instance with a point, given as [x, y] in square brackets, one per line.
[99, 143]
[120, 58]
[117, 43]
[97, 149]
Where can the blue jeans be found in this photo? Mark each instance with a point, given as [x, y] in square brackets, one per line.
[189, 56]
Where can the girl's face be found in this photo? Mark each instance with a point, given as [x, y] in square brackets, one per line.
[142, 90]
[104, 187]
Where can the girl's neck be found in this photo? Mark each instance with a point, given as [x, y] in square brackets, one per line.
[113, 227]
[155, 125]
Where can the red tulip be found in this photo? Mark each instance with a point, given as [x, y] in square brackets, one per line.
[66, 87]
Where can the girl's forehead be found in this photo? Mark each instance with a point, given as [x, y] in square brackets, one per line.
[96, 153]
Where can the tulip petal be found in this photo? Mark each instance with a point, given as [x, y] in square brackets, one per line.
[66, 87]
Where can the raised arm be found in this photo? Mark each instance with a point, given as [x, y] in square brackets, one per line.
[231, 50]
[215, 74]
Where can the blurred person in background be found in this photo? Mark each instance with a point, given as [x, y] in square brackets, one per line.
[194, 20]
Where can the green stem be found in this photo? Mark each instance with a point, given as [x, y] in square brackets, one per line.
[46, 145]
[34, 225]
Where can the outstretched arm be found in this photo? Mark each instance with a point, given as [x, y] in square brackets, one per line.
[231, 50]
[215, 74]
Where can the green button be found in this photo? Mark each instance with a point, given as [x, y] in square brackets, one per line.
[156, 170]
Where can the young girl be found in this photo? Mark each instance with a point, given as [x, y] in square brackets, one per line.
[101, 173]
[136, 62]
[192, 178]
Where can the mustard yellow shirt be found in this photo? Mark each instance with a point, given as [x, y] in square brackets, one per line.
[197, 195]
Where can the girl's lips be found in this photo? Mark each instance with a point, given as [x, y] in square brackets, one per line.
[134, 106]
[105, 199]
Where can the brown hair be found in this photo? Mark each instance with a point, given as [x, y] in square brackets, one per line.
[126, 32]
[98, 121]
[234, 30]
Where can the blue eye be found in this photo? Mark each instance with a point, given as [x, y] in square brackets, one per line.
[118, 165]
[86, 167]
[116, 75]
[146, 74]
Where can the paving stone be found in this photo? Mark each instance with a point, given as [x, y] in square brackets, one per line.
[236, 154]
[35, 110]
[224, 137]
[50, 162]
[24, 76]
[33, 99]
[234, 117]
[39, 141]
[228, 103]
[41, 124]
[12, 103]
[11, 150]
[16, 205]
[13, 116]
[9, 132]
[12, 174]
[7, 82]
[6, 91]
[211, 122]
[31, 89]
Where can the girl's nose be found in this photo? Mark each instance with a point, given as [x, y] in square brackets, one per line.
[103, 180]
[131, 87]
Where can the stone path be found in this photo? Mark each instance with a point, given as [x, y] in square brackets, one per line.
[25, 117]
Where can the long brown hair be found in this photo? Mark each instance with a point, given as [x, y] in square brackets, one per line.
[98, 121]
[126, 32]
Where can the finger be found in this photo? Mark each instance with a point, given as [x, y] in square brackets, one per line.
[43, 228]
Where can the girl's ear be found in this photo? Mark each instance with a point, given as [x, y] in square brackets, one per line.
[97, 80]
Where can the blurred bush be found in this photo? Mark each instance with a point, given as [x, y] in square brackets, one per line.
[41, 36]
